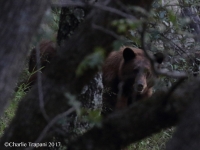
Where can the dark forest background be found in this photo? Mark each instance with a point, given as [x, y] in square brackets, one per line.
[64, 104]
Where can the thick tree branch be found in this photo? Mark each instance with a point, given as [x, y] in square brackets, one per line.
[143, 119]
[95, 5]
[187, 134]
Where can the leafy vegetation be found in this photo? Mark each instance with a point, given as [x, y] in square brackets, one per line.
[155, 142]
[10, 111]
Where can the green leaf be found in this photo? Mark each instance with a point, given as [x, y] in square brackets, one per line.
[122, 28]
[74, 102]
[172, 17]
[93, 117]
[92, 61]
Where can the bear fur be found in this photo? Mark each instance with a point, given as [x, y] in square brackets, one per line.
[47, 51]
[127, 76]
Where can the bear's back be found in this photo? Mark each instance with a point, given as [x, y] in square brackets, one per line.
[47, 52]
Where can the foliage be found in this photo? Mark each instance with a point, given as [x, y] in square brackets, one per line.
[155, 142]
[167, 32]
[21, 90]
[94, 60]
[10, 111]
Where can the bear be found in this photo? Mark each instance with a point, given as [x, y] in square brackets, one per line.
[48, 51]
[127, 77]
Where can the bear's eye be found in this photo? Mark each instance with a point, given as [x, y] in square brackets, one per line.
[135, 71]
[148, 73]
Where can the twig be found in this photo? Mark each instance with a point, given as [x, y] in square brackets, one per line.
[109, 32]
[173, 74]
[51, 123]
[173, 43]
[143, 45]
[96, 5]
[39, 85]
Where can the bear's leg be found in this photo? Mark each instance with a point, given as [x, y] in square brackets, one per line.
[122, 103]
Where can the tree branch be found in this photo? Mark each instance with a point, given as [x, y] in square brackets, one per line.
[142, 119]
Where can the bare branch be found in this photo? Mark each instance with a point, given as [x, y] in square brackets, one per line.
[52, 122]
[98, 5]
[39, 84]
[173, 74]
[109, 32]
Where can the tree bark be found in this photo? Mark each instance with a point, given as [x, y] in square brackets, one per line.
[187, 135]
[144, 118]
[19, 21]
[67, 24]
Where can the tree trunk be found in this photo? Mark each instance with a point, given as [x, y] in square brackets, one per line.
[18, 23]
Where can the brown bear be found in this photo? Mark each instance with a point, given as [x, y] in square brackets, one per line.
[127, 76]
[47, 51]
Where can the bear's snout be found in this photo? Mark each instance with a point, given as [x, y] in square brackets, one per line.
[140, 83]
[140, 87]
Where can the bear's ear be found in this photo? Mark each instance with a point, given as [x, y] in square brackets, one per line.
[159, 57]
[128, 54]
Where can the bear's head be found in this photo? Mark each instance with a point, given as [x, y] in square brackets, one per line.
[135, 72]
